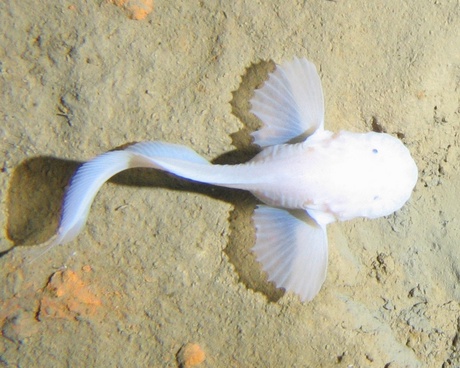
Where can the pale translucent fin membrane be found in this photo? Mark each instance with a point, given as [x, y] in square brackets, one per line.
[82, 189]
[292, 248]
[290, 104]
[186, 163]
[158, 150]
[39, 250]
[89, 177]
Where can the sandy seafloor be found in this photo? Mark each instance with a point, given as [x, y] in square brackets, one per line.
[162, 262]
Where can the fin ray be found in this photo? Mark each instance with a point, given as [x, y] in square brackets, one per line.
[292, 248]
[290, 103]
[90, 176]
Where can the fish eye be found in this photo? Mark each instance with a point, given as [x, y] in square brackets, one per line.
[375, 150]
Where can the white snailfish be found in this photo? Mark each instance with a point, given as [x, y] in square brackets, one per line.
[305, 186]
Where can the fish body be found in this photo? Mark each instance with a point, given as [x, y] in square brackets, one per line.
[326, 177]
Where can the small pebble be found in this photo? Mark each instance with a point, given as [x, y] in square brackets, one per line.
[135, 9]
[190, 355]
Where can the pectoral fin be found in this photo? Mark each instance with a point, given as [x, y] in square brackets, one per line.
[290, 104]
[292, 248]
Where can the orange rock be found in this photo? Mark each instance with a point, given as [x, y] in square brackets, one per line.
[66, 296]
[191, 355]
[135, 9]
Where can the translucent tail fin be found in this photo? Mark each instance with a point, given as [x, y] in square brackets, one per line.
[89, 178]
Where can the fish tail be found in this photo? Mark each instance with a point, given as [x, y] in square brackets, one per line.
[90, 176]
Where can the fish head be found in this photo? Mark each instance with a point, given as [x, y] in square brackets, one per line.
[388, 174]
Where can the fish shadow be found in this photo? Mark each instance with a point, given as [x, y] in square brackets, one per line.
[37, 187]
